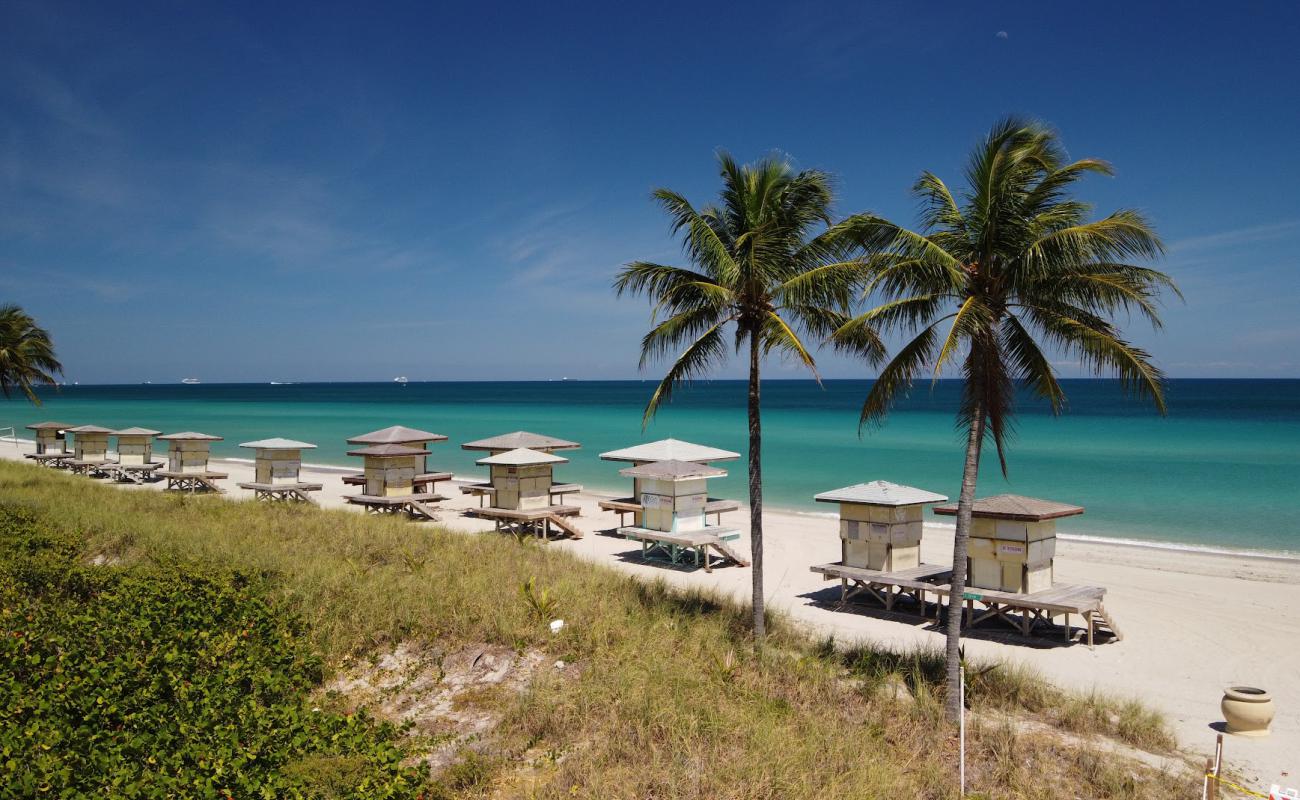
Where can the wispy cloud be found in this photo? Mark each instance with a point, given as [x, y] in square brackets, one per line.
[1249, 235]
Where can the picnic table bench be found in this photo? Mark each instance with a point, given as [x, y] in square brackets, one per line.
[272, 492]
[416, 506]
[193, 481]
[485, 490]
[629, 505]
[132, 473]
[536, 520]
[51, 460]
[676, 544]
[1021, 610]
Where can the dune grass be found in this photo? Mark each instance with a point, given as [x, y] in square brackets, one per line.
[663, 695]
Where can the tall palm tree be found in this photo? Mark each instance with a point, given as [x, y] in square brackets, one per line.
[1014, 270]
[769, 264]
[26, 354]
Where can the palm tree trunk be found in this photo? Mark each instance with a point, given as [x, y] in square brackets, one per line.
[952, 655]
[756, 490]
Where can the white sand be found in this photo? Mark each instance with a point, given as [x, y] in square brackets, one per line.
[1193, 622]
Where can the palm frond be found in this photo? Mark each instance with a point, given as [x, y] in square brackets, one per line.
[704, 353]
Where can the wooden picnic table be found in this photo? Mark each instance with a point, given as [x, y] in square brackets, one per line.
[416, 506]
[1022, 610]
[132, 473]
[676, 544]
[193, 481]
[274, 492]
[536, 520]
[51, 460]
[484, 490]
[629, 505]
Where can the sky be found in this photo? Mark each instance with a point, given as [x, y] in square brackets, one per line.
[318, 191]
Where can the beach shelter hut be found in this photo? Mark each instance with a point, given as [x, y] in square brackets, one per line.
[400, 434]
[389, 480]
[523, 492]
[135, 446]
[521, 440]
[187, 462]
[673, 496]
[51, 444]
[1012, 541]
[666, 450]
[276, 470]
[880, 524]
[89, 448]
[134, 456]
[50, 436]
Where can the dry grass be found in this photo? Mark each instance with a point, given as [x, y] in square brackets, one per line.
[665, 696]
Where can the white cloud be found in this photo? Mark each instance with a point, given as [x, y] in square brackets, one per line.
[1003, 35]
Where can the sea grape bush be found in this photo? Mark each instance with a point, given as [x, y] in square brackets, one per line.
[176, 681]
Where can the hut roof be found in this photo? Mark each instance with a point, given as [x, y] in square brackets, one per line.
[880, 493]
[521, 440]
[279, 444]
[137, 432]
[521, 457]
[672, 470]
[190, 436]
[397, 434]
[48, 426]
[392, 450]
[670, 450]
[89, 429]
[1013, 506]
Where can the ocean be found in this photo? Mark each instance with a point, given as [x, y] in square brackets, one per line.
[1221, 471]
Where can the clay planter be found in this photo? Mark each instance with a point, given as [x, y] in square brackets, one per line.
[1248, 710]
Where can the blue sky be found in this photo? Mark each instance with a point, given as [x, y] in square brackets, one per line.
[270, 191]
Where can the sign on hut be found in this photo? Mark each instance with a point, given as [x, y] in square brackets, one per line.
[881, 524]
[1012, 541]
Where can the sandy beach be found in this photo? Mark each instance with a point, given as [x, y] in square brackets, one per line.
[1193, 622]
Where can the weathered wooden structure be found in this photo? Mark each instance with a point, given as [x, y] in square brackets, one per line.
[89, 448]
[276, 467]
[881, 524]
[134, 462]
[425, 481]
[187, 462]
[1012, 545]
[666, 450]
[522, 490]
[1009, 569]
[390, 473]
[518, 440]
[673, 496]
[51, 444]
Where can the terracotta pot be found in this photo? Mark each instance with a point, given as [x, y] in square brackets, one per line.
[1248, 711]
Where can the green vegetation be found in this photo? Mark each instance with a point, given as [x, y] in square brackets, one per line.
[767, 261]
[26, 354]
[1013, 267]
[661, 694]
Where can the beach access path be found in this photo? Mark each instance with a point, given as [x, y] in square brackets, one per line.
[1193, 622]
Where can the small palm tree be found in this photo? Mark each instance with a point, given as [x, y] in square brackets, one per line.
[26, 354]
[770, 264]
[1014, 270]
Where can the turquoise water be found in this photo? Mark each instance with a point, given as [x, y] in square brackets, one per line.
[1222, 470]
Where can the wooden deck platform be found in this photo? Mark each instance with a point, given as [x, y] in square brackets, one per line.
[1023, 611]
[130, 473]
[485, 490]
[537, 521]
[88, 468]
[51, 460]
[424, 482]
[193, 481]
[416, 506]
[694, 543]
[629, 505]
[278, 492]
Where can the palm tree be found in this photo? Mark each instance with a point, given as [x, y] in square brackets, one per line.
[767, 261]
[26, 354]
[1014, 270]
